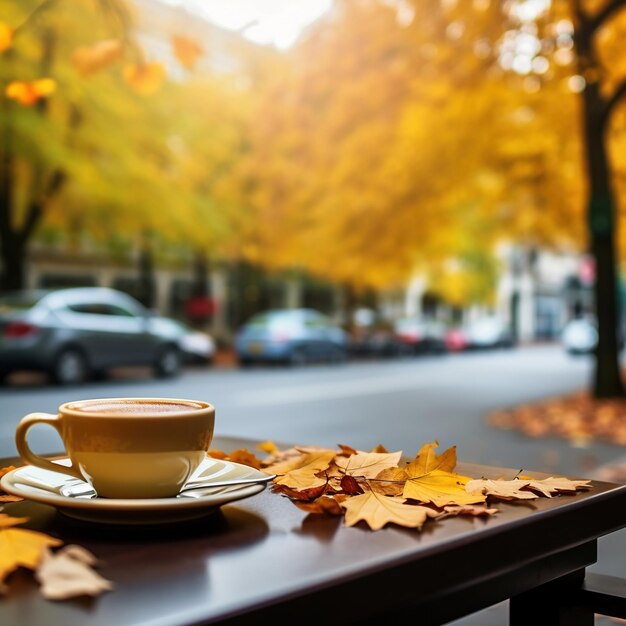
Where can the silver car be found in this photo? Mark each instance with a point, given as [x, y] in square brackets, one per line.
[291, 336]
[80, 333]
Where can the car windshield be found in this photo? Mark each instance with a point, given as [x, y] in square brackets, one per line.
[19, 301]
[272, 318]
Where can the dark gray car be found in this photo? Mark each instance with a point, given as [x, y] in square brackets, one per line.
[81, 333]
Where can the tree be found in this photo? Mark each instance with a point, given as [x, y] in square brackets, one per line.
[600, 98]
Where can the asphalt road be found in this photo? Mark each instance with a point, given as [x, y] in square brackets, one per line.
[398, 403]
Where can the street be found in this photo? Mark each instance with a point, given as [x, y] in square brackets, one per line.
[400, 404]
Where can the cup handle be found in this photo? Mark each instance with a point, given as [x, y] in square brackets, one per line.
[29, 456]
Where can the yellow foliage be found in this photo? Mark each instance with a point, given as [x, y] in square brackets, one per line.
[28, 93]
[91, 59]
[144, 78]
[6, 36]
[186, 50]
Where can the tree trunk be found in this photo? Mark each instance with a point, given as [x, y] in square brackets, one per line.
[13, 253]
[607, 378]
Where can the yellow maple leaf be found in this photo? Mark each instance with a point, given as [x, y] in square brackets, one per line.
[302, 472]
[6, 36]
[28, 93]
[186, 50]
[390, 481]
[268, 446]
[368, 464]
[88, 60]
[440, 488]
[20, 547]
[378, 510]
[427, 459]
[144, 78]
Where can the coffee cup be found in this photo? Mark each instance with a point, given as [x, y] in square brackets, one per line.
[127, 447]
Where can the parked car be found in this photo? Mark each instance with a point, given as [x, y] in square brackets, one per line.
[197, 346]
[417, 336]
[456, 339]
[75, 334]
[580, 336]
[292, 336]
[488, 332]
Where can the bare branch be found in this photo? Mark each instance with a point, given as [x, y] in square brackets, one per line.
[605, 13]
[610, 104]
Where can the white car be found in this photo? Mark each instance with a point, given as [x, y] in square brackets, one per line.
[579, 336]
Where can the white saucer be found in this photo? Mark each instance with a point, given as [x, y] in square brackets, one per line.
[78, 500]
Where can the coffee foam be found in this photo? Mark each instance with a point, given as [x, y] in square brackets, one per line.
[135, 407]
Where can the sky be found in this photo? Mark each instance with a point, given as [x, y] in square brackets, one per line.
[274, 22]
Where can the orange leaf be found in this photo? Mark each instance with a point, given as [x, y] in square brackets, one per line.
[20, 547]
[29, 92]
[268, 446]
[325, 504]
[186, 50]
[427, 460]
[244, 457]
[6, 36]
[90, 59]
[144, 78]
[217, 454]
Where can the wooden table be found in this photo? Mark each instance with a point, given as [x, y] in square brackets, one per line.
[263, 560]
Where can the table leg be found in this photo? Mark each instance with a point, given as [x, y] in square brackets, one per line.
[552, 604]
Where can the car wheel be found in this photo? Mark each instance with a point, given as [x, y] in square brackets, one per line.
[70, 367]
[168, 363]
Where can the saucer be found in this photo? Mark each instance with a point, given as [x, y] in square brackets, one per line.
[77, 499]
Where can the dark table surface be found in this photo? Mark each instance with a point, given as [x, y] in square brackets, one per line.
[262, 558]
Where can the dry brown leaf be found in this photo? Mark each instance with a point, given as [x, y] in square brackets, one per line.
[244, 457]
[324, 505]
[8, 498]
[503, 489]
[304, 474]
[217, 454]
[452, 510]
[350, 486]
[379, 448]
[440, 488]
[304, 495]
[68, 573]
[20, 547]
[346, 450]
[377, 510]
[550, 486]
[368, 464]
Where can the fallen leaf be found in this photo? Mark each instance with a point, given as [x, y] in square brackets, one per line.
[427, 460]
[304, 495]
[503, 489]
[20, 547]
[324, 505]
[390, 481]
[304, 474]
[368, 464]
[68, 573]
[440, 488]
[378, 510]
[350, 486]
[348, 450]
[217, 454]
[452, 510]
[553, 485]
[244, 457]
[269, 447]
[379, 448]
